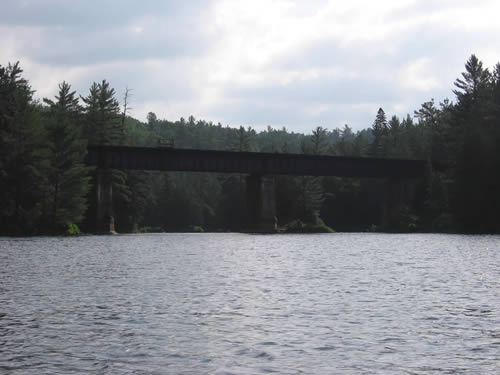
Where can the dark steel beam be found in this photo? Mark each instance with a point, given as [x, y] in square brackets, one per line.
[170, 159]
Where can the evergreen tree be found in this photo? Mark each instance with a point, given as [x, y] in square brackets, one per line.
[346, 145]
[394, 136]
[429, 120]
[22, 154]
[318, 140]
[104, 127]
[42, 179]
[394, 125]
[379, 130]
[241, 139]
[102, 112]
[311, 191]
[470, 141]
[67, 175]
[474, 81]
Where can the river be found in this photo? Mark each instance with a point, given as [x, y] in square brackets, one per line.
[250, 304]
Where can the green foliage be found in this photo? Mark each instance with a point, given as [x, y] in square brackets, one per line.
[242, 140]
[102, 114]
[68, 181]
[23, 162]
[403, 219]
[104, 125]
[72, 229]
[149, 230]
[297, 226]
[380, 130]
[310, 193]
[45, 185]
[474, 140]
[318, 140]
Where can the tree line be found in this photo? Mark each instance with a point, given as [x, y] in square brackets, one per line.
[47, 189]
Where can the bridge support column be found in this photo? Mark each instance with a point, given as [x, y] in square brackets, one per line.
[105, 222]
[261, 204]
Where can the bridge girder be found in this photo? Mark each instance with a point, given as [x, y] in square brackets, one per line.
[260, 163]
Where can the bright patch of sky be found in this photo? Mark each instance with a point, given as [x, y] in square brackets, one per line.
[293, 63]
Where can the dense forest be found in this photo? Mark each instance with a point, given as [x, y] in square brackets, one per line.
[46, 188]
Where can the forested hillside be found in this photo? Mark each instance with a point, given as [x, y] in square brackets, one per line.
[47, 189]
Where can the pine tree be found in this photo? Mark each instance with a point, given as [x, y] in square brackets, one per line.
[103, 126]
[241, 139]
[311, 192]
[394, 136]
[102, 112]
[429, 120]
[470, 145]
[318, 140]
[379, 130]
[22, 154]
[68, 176]
[473, 82]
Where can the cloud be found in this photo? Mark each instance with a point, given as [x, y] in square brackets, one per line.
[88, 33]
[98, 15]
[417, 75]
[295, 63]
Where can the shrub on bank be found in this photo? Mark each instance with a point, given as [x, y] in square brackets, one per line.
[72, 229]
[297, 226]
[196, 229]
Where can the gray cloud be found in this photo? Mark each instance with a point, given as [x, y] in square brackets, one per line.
[321, 91]
[180, 57]
[95, 47]
[376, 81]
[92, 32]
[97, 15]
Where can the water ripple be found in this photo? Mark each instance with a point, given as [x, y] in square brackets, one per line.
[247, 304]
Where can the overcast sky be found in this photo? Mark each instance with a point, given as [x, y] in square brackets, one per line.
[293, 63]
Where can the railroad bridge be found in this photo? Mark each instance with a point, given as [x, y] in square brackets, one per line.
[260, 167]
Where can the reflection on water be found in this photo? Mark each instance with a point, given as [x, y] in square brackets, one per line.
[246, 304]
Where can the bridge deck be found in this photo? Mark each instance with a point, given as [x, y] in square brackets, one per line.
[170, 159]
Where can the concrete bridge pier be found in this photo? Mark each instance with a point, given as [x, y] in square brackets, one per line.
[261, 204]
[105, 222]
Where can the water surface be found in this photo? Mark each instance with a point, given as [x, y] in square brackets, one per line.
[249, 304]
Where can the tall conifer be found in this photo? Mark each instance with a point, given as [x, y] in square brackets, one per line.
[68, 175]
[22, 154]
[103, 126]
